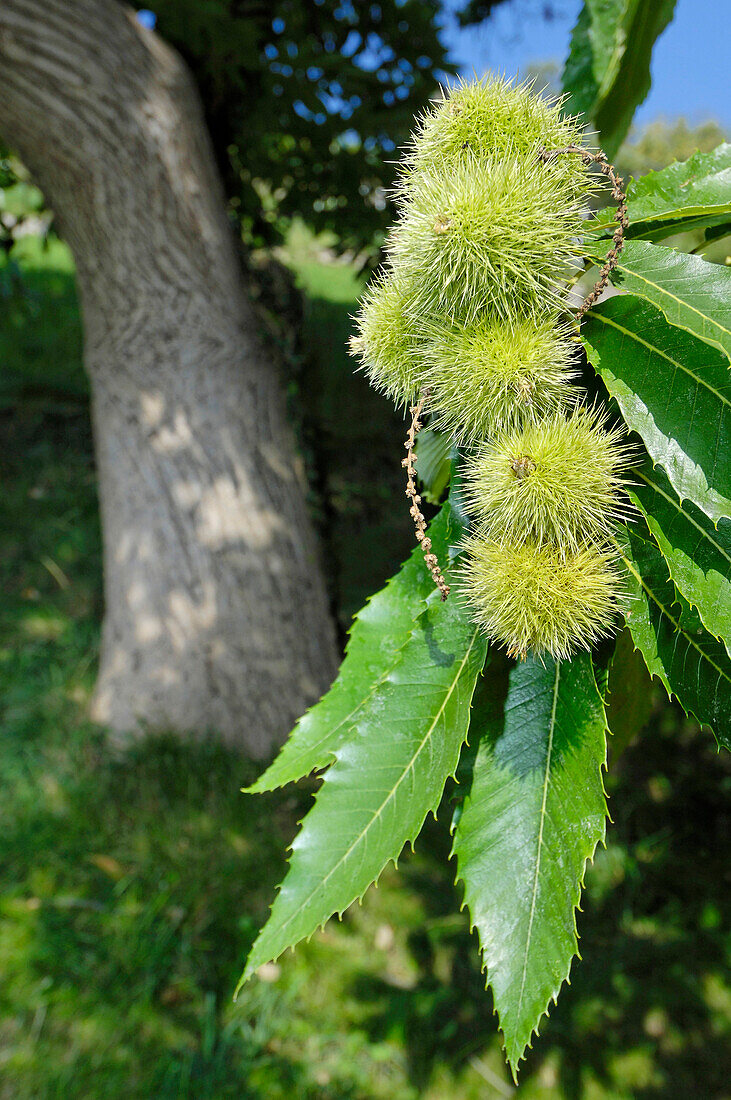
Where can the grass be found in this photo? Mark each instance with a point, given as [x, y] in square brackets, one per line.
[133, 883]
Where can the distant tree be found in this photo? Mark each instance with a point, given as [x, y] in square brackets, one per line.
[661, 142]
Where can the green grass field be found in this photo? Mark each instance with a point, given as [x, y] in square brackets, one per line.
[133, 882]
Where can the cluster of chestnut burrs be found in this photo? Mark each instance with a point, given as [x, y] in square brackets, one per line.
[469, 321]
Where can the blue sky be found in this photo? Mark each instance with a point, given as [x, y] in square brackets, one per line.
[691, 63]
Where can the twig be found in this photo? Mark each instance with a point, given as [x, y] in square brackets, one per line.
[618, 194]
[409, 463]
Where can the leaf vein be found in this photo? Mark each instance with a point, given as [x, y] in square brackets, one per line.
[540, 834]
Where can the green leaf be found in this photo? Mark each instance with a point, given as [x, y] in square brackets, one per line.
[385, 779]
[594, 55]
[697, 191]
[531, 821]
[378, 633]
[698, 554]
[692, 293]
[690, 663]
[673, 390]
[629, 695]
[607, 74]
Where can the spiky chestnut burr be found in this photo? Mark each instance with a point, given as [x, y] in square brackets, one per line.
[558, 479]
[385, 340]
[497, 236]
[494, 375]
[530, 597]
[491, 117]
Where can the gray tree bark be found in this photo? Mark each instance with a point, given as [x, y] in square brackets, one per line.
[216, 616]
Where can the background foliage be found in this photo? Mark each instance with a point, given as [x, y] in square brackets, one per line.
[307, 101]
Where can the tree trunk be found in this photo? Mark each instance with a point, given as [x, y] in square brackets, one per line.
[216, 616]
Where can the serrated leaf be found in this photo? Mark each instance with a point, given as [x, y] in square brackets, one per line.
[629, 696]
[378, 633]
[693, 294]
[673, 390]
[531, 821]
[692, 665]
[696, 190]
[385, 779]
[607, 74]
[697, 553]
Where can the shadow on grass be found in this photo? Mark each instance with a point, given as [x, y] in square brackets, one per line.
[133, 888]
